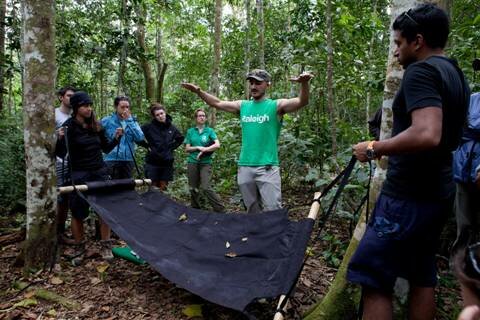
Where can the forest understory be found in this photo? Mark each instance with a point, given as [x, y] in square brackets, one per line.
[123, 290]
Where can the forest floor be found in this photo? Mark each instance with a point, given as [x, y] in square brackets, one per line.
[123, 290]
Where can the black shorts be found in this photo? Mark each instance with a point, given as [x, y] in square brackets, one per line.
[79, 207]
[400, 241]
[159, 173]
[120, 169]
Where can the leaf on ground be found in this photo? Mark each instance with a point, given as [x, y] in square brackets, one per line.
[56, 280]
[94, 281]
[227, 244]
[101, 268]
[29, 294]
[183, 217]
[193, 310]
[25, 303]
[230, 254]
[106, 308]
[52, 313]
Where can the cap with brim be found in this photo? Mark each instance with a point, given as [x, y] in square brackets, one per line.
[80, 98]
[259, 75]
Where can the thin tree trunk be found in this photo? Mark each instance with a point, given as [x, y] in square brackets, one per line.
[217, 50]
[38, 47]
[246, 62]
[144, 63]
[3, 8]
[261, 34]
[161, 65]
[370, 56]
[330, 97]
[122, 66]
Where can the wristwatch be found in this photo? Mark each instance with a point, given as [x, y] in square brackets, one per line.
[371, 155]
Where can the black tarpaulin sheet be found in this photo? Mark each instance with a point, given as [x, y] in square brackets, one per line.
[229, 259]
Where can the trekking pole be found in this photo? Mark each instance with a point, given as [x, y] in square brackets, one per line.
[283, 301]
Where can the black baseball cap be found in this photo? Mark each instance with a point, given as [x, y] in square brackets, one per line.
[80, 98]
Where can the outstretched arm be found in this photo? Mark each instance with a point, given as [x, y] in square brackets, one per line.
[294, 104]
[211, 100]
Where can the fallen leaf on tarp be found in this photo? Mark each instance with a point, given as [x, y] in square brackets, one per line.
[56, 280]
[227, 244]
[244, 239]
[231, 254]
[193, 310]
[183, 217]
[101, 268]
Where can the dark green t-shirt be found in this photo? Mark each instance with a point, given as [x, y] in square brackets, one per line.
[260, 130]
[196, 139]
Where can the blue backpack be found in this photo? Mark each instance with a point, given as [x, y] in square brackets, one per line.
[466, 159]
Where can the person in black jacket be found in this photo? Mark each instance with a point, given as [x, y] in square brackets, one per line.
[86, 140]
[163, 138]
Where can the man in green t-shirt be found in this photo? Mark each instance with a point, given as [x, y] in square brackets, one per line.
[260, 118]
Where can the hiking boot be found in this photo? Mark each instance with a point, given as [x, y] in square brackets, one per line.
[77, 254]
[106, 250]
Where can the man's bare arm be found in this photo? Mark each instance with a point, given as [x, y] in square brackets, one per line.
[424, 133]
[294, 104]
[211, 100]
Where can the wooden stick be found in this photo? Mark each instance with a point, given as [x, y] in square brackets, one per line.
[84, 187]
[314, 209]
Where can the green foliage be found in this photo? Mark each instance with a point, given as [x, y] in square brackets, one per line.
[334, 251]
[12, 179]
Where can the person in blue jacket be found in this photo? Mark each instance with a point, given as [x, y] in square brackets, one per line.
[120, 160]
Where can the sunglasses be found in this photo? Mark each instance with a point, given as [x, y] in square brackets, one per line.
[408, 15]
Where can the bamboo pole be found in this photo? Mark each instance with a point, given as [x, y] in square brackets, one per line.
[84, 187]
[314, 209]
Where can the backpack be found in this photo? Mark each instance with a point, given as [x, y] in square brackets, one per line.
[466, 159]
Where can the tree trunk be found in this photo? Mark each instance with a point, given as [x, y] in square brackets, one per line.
[246, 62]
[370, 56]
[161, 65]
[330, 98]
[3, 8]
[217, 48]
[122, 66]
[38, 48]
[144, 63]
[261, 34]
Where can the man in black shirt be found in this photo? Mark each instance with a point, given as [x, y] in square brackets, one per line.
[429, 111]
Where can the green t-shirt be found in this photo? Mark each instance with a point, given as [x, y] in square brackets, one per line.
[196, 139]
[260, 130]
